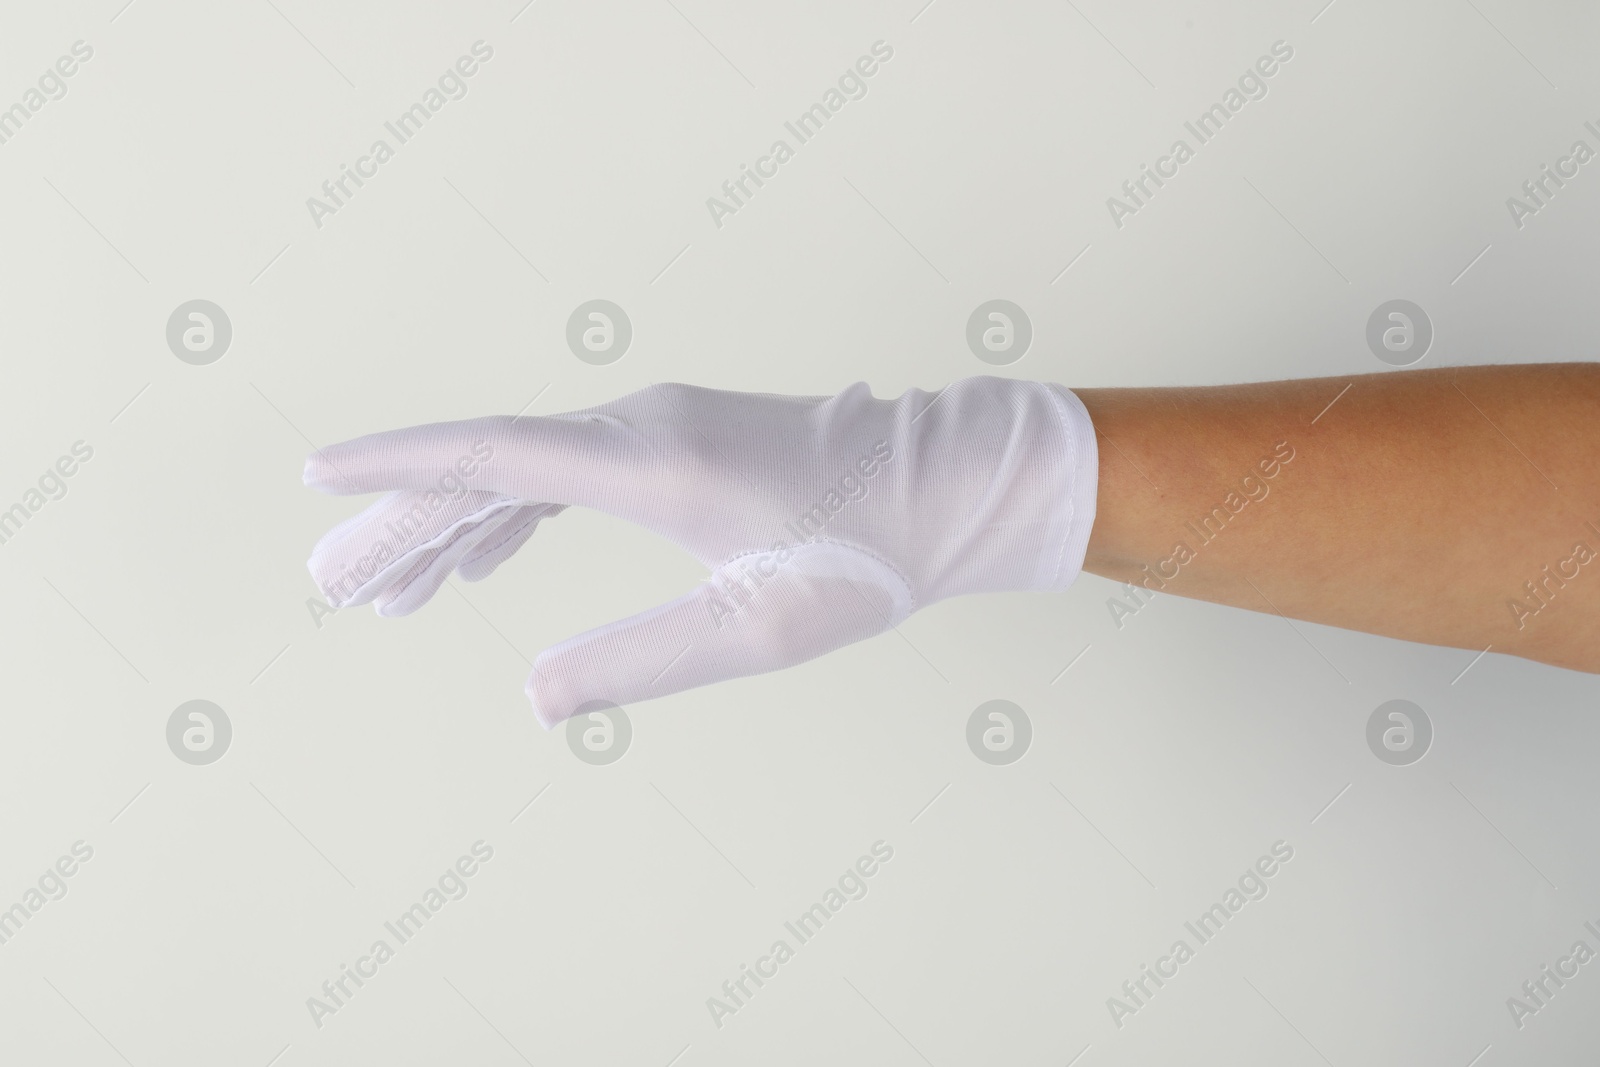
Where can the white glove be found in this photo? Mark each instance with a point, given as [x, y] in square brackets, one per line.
[824, 520]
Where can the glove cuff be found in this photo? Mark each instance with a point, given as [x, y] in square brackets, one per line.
[1067, 536]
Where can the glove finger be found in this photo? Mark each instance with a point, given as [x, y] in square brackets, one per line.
[417, 586]
[752, 616]
[363, 555]
[387, 586]
[382, 596]
[580, 458]
[482, 560]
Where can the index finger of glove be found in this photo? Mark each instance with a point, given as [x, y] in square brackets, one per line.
[582, 459]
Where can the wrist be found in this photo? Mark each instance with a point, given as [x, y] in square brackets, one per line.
[1071, 525]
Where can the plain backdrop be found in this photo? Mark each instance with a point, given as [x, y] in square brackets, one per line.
[367, 754]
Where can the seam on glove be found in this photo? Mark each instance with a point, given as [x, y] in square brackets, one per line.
[910, 594]
[403, 562]
[510, 530]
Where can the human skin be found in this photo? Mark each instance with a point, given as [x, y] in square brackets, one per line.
[1416, 506]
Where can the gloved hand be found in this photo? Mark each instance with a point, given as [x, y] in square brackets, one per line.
[824, 520]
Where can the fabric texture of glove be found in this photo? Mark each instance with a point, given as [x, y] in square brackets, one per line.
[823, 520]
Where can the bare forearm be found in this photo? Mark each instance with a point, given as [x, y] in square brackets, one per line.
[1417, 506]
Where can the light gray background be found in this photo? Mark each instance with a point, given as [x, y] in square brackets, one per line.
[369, 753]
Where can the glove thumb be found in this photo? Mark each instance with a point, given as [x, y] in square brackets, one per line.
[760, 612]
